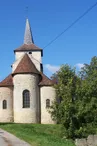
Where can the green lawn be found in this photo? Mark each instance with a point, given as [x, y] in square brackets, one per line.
[37, 134]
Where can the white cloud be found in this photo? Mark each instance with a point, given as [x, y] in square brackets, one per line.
[79, 65]
[51, 68]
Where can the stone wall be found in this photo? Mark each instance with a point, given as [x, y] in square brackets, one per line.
[26, 82]
[36, 62]
[47, 92]
[90, 141]
[35, 57]
[35, 54]
[6, 115]
[15, 64]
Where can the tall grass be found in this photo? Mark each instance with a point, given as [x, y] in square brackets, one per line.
[38, 134]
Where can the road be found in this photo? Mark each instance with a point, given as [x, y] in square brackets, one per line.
[3, 142]
[7, 139]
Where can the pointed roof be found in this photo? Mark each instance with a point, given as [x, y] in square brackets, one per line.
[26, 47]
[28, 38]
[46, 81]
[8, 81]
[26, 66]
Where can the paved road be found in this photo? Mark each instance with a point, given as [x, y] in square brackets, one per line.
[2, 142]
[7, 139]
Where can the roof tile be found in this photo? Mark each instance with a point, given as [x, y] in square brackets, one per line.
[45, 81]
[8, 81]
[26, 66]
[27, 47]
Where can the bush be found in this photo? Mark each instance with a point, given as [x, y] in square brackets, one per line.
[75, 106]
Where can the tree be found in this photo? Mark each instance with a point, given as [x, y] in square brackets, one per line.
[75, 106]
[63, 108]
[87, 95]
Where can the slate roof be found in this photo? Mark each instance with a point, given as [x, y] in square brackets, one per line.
[28, 41]
[8, 81]
[28, 38]
[45, 81]
[26, 66]
[27, 47]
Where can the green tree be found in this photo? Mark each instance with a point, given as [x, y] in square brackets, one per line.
[75, 106]
[64, 108]
[87, 95]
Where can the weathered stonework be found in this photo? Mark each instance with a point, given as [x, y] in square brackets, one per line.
[90, 141]
[21, 83]
[35, 57]
[81, 142]
[15, 64]
[26, 75]
[46, 93]
[6, 115]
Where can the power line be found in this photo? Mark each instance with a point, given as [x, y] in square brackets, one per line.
[72, 24]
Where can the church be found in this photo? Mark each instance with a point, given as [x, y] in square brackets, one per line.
[26, 94]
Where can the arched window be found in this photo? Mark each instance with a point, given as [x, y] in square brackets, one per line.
[4, 104]
[26, 99]
[47, 103]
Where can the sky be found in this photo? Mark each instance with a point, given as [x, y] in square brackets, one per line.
[48, 18]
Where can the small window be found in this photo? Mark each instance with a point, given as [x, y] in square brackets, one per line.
[26, 99]
[41, 67]
[30, 52]
[4, 104]
[47, 103]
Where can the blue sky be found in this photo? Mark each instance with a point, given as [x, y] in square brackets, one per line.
[48, 18]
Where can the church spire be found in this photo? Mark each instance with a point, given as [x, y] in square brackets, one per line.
[28, 38]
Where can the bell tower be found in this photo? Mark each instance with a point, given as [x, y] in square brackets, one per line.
[34, 52]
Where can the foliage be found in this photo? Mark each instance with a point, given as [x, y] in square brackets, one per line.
[75, 106]
[38, 134]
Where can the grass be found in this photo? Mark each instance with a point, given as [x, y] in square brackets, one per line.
[37, 134]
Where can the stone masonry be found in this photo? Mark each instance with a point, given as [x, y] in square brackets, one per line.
[90, 141]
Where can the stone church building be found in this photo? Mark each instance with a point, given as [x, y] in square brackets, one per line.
[26, 94]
